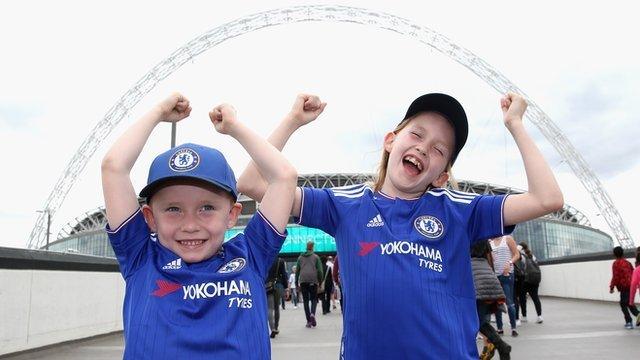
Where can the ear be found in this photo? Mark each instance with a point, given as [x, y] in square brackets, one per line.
[234, 213]
[148, 217]
[388, 141]
[441, 180]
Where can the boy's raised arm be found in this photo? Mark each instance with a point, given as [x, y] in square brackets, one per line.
[305, 109]
[120, 197]
[543, 195]
[279, 175]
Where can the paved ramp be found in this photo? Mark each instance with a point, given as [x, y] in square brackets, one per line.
[572, 329]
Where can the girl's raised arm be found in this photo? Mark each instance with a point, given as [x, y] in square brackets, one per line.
[543, 195]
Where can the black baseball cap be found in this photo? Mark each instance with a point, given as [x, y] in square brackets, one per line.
[451, 109]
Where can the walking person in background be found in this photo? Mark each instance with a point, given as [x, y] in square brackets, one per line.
[635, 284]
[293, 291]
[505, 252]
[336, 279]
[282, 283]
[489, 295]
[518, 284]
[532, 278]
[622, 270]
[274, 278]
[308, 277]
[327, 295]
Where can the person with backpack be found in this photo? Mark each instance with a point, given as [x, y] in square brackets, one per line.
[308, 277]
[532, 278]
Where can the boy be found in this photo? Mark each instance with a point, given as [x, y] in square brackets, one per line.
[621, 271]
[188, 296]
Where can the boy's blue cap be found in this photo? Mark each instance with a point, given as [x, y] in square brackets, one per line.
[191, 161]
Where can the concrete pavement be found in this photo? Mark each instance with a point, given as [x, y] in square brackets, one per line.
[573, 329]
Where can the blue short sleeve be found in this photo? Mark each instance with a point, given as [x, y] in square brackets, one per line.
[130, 241]
[486, 219]
[264, 242]
[318, 210]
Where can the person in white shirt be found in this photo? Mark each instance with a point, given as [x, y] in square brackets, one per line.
[292, 287]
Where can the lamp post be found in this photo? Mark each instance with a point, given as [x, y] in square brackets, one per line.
[173, 135]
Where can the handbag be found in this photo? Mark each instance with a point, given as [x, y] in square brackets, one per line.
[321, 285]
[269, 284]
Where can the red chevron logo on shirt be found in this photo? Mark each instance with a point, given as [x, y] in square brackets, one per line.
[165, 288]
[366, 247]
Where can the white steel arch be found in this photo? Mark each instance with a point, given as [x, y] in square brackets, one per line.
[325, 13]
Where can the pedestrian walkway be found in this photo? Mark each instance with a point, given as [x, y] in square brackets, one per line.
[572, 329]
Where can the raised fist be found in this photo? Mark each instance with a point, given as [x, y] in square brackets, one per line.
[223, 117]
[513, 107]
[174, 108]
[306, 108]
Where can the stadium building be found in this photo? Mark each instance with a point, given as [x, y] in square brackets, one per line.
[564, 233]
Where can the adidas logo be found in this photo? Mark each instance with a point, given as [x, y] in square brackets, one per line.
[174, 265]
[376, 221]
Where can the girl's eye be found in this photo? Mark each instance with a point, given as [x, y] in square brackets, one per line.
[415, 134]
[439, 151]
[172, 209]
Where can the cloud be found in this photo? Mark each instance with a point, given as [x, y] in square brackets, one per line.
[19, 116]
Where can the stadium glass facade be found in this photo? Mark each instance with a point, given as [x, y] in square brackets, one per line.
[551, 239]
[561, 234]
[548, 239]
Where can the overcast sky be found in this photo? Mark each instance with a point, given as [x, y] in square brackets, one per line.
[65, 63]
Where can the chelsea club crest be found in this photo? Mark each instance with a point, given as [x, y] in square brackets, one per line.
[429, 226]
[234, 265]
[184, 160]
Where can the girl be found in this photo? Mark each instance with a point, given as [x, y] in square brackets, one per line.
[531, 284]
[505, 253]
[489, 296]
[635, 284]
[404, 241]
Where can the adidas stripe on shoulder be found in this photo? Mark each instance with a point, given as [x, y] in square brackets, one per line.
[456, 196]
[351, 191]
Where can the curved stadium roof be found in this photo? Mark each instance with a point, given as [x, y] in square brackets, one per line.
[96, 219]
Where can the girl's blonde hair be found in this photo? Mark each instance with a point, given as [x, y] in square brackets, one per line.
[382, 167]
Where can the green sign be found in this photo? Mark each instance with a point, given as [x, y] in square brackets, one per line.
[297, 238]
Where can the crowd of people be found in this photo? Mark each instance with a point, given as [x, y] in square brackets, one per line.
[313, 278]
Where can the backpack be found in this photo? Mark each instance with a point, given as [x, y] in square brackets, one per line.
[532, 274]
[308, 269]
[519, 268]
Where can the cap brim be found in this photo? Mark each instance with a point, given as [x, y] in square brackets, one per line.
[153, 187]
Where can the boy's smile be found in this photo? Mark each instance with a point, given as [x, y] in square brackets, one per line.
[418, 155]
[190, 218]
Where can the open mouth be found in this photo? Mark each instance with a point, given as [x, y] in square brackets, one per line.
[191, 243]
[412, 165]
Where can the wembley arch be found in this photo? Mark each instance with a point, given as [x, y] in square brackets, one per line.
[324, 13]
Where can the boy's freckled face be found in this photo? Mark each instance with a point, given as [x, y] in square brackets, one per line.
[418, 155]
[191, 220]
